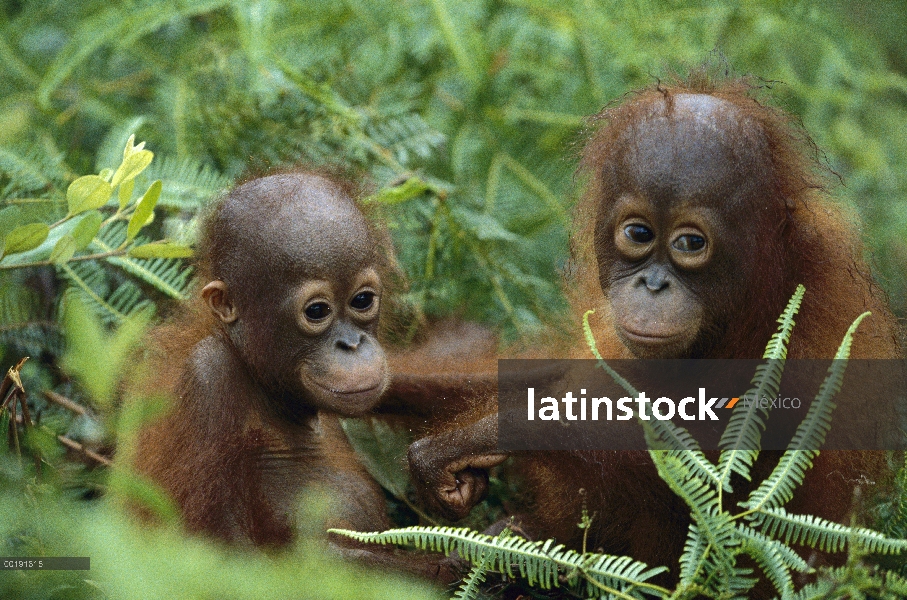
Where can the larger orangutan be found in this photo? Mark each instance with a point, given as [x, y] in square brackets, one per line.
[703, 210]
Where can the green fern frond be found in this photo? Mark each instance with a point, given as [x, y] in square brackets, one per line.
[788, 555]
[538, 562]
[855, 580]
[698, 565]
[29, 170]
[774, 558]
[113, 25]
[22, 324]
[661, 435]
[188, 184]
[740, 441]
[714, 525]
[777, 346]
[91, 283]
[694, 554]
[171, 276]
[827, 536]
[406, 136]
[469, 589]
[779, 487]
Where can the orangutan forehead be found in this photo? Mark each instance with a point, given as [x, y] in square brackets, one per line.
[301, 223]
[692, 147]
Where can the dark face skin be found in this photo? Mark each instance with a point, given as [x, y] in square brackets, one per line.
[672, 236]
[305, 315]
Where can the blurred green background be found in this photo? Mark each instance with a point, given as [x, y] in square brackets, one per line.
[478, 105]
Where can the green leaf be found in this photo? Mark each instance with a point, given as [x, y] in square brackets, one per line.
[124, 194]
[94, 357]
[131, 147]
[131, 166]
[86, 229]
[382, 449]
[87, 193]
[161, 250]
[409, 189]
[144, 210]
[10, 218]
[25, 237]
[64, 249]
[485, 227]
[106, 174]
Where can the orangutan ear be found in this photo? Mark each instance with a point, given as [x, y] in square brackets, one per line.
[217, 297]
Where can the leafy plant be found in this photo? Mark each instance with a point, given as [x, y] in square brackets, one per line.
[129, 560]
[461, 116]
[717, 538]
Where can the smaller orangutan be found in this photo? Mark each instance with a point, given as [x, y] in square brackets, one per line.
[281, 342]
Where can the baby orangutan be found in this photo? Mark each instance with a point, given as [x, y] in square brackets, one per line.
[283, 341]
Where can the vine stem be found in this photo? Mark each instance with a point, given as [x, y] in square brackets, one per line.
[44, 263]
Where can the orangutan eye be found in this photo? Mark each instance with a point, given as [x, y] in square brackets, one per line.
[363, 300]
[639, 233]
[317, 311]
[689, 243]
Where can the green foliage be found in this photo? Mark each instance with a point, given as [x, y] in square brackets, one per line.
[129, 560]
[540, 563]
[854, 580]
[462, 117]
[740, 440]
[717, 538]
[475, 104]
[382, 446]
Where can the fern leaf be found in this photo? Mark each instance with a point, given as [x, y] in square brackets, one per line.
[779, 487]
[816, 532]
[538, 562]
[791, 559]
[714, 524]
[774, 558]
[89, 281]
[188, 184]
[22, 324]
[406, 137]
[694, 554]
[663, 435]
[168, 275]
[27, 171]
[470, 587]
[110, 26]
[740, 441]
[699, 563]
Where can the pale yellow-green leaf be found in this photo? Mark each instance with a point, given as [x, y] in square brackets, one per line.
[131, 166]
[87, 193]
[144, 210]
[106, 174]
[125, 193]
[25, 238]
[161, 250]
[130, 148]
[86, 229]
[63, 249]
